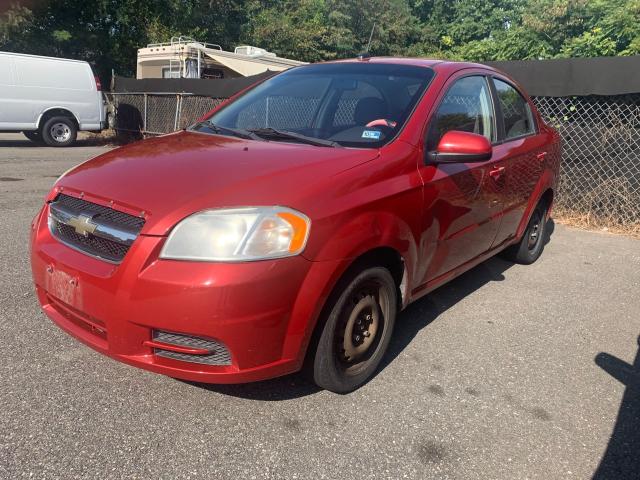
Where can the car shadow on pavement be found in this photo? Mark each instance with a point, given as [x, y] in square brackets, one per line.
[421, 313]
[621, 460]
[409, 322]
[277, 389]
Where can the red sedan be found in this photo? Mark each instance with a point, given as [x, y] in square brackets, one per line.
[289, 227]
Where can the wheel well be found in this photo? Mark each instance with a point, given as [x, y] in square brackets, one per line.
[386, 257]
[547, 197]
[57, 112]
[378, 257]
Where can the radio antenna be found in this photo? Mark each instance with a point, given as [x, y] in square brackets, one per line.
[370, 37]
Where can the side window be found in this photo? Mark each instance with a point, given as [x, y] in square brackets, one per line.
[518, 120]
[466, 107]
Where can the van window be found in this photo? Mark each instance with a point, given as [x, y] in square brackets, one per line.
[39, 72]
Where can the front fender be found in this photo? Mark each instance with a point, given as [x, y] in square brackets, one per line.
[370, 231]
[361, 234]
[367, 231]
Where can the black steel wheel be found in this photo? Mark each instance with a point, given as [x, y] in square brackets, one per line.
[530, 247]
[356, 332]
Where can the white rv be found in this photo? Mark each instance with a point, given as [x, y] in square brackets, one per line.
[49, 99]
[185, 57]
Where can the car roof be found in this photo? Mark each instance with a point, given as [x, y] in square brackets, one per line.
[436, 64]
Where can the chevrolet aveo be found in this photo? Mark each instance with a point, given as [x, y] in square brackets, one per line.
[288, 227]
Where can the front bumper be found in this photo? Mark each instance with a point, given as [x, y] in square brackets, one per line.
[263, 312]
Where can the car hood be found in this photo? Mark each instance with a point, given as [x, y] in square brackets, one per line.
[168, 178]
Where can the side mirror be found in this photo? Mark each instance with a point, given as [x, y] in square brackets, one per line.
[461, 147]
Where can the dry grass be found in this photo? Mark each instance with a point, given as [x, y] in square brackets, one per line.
[105, 137]
[588, 221]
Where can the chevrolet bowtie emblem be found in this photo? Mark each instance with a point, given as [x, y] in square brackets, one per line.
[82, 224]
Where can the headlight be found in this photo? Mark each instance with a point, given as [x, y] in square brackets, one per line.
[239, 234]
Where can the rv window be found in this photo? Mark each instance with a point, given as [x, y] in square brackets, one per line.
[167, 72]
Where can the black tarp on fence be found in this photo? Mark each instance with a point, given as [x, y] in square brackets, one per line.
[566, 77]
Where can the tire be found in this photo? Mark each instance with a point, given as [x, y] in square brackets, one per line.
[356, 333]
[34, 136]
[59, 131]
[531, 245]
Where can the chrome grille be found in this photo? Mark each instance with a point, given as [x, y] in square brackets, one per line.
[220, 354]
[91, 244]
[110, 232]
[105, 214]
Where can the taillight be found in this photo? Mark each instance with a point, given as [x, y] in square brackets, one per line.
[98, 84]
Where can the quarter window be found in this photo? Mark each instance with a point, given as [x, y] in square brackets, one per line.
[516, 113]
[466, 107]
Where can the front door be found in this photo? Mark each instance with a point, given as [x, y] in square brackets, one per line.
[462, 205]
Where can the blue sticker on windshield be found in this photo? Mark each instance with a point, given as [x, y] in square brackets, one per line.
[371, 134]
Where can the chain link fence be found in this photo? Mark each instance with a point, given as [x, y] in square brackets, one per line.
[600, 175]
[158, 113]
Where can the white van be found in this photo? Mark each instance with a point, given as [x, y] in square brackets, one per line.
[49, 99]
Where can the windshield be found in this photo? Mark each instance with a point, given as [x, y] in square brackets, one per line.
[337, 104]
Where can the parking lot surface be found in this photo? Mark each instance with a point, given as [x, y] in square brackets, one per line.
[508, 372]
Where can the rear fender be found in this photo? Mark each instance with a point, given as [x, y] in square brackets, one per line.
[546, 182]
[50, 109]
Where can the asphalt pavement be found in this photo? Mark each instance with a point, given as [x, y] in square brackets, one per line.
[508, 372]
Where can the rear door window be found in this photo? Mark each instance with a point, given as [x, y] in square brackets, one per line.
[516, 113]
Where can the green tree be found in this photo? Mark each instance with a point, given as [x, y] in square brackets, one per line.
[107, 33]
[315, 30]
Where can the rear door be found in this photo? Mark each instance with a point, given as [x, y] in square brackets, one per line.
[522, 154]
[8, 106]
[461, 201]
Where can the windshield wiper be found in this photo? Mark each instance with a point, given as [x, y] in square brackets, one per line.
[219, 129]
[269, 132]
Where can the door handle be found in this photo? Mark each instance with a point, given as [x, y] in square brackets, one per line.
[496, 173]
[541, 156]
